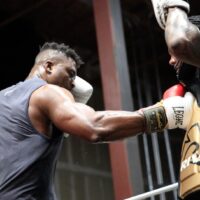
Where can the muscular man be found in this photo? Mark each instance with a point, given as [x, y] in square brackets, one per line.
[182, 37]
[183, 41]
[31, 108]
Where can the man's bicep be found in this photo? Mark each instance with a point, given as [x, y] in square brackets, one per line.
[67, 115]
[73, 118]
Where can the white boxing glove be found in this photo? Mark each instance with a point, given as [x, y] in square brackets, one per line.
[161, 9]
[170, 113]
[82, 90]
[179, 110]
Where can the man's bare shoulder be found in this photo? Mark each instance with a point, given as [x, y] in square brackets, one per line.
[50, 93]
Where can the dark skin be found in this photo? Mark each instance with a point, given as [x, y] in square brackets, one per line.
[182, 38]
[54, 104]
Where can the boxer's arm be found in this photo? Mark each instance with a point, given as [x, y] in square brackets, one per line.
[78, 119]
[182, 37]
[102, 126]
[81, 120]
[161, 8]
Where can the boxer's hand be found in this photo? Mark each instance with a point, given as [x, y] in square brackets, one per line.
[178, 110]
[161, 9]
[82, 90]
[172, 112]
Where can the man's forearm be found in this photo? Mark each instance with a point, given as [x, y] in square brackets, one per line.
[172, 112]
[115, 125]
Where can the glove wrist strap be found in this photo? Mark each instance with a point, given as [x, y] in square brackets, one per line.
[156, 119]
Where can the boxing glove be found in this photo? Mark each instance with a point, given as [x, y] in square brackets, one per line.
[172, 112]
[82, 90]
[160, 8]
[176, 90]
[179, 110]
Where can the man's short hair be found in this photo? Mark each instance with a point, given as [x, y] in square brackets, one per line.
[65, 49]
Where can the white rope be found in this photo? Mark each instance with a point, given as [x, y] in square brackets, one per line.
[154, 192]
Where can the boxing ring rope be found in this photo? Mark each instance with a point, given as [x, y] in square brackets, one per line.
[161, 190]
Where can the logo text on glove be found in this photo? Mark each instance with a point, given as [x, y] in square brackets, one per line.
[193, 159]
[178, 115]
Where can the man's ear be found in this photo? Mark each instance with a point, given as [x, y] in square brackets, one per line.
[48, 66]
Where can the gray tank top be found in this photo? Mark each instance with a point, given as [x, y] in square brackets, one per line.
[27, 157]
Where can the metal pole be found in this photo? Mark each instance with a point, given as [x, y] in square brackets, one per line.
[155, 192]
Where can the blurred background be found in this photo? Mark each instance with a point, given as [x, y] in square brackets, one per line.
[126, 61]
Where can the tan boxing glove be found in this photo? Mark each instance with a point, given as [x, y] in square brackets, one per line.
[190, 156]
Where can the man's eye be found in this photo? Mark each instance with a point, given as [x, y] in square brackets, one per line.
[72, 74]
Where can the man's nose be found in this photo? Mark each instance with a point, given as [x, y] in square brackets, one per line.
[172, 61]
